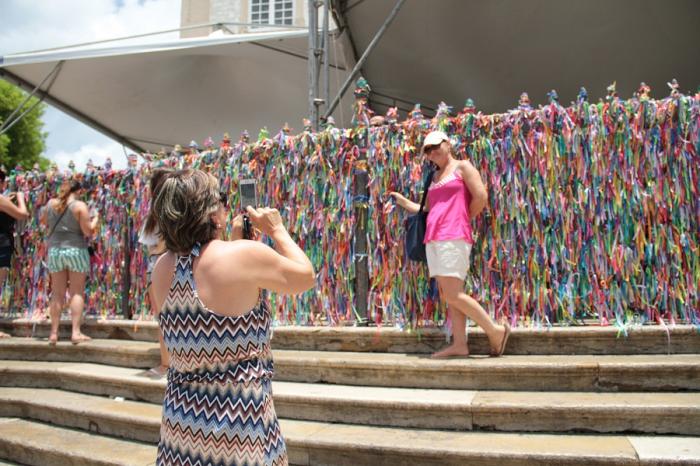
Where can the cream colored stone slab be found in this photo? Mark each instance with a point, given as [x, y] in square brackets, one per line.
[533, 447]
[587, 400]
[660, 450]
[433, 409]
[123, 419]
[35, 443]
[38, 366]
[390, 397]
[506, 361]
[84, 404]
[672, 413]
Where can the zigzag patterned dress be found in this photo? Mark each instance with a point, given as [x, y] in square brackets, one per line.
[218, 406]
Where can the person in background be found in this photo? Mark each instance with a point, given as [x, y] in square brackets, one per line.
[150, 237]
[69, 226]
[12, 208]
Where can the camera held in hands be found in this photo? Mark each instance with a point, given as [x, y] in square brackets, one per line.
[248, 197]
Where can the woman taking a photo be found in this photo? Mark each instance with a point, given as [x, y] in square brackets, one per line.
[216, 325]
[455, 196]
[69, 227]
[151, 238]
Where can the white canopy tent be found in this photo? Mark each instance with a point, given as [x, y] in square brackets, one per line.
[157, 95]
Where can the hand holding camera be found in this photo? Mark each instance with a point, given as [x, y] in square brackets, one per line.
[266, 219]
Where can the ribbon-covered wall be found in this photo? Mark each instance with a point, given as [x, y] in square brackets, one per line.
[593, 210]
[593, 213]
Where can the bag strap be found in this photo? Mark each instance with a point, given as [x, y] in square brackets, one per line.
[428, 180]
[59, 218]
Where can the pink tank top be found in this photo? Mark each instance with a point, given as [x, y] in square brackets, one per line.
[448, 217]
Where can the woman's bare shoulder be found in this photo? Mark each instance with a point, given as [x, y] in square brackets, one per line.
[228, 252]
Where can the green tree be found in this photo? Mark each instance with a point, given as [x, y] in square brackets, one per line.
[24, 143]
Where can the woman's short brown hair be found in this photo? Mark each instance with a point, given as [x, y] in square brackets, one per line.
[183, 208]
[157, 177]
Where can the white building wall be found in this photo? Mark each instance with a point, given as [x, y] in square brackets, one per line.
[235, 11]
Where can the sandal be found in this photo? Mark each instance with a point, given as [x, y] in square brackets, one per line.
[496, 353]
[80, 339]
[53, 341]
[157, 372]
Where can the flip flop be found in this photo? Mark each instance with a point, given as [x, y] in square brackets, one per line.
[52, 342]
[498, 353]
[80, 339]
[157, 372]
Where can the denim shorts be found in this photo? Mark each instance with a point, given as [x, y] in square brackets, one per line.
[72, 259]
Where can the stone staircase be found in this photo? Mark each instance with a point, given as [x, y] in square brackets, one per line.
[359, 396]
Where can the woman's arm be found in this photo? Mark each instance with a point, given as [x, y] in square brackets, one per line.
[476, 187]
[286, 269]
[44, 214]
[87, 225]
[19, 211]
[237, 230]
[402, 201]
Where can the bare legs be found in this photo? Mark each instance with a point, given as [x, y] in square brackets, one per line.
[77, 305]
[59, 284]
[460, 306]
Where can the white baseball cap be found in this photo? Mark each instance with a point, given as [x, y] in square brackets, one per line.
[434, 138]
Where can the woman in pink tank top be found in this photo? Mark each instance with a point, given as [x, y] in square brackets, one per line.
[455, 196]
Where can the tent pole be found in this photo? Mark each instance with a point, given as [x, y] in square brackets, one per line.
[364, 56]
[313, 64]
[55, 69]
[326, 45]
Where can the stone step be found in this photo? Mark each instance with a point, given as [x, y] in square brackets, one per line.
[311, 443]
[37, 444]
[669, 413]
[648, 339]
[533, 373]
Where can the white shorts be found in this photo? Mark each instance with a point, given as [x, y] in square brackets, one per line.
[448, 258]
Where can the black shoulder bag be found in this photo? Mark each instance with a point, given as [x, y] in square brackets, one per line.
[415, 228]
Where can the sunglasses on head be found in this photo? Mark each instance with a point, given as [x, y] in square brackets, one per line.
[431, 148]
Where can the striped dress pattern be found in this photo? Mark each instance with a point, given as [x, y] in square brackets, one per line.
[218, 407]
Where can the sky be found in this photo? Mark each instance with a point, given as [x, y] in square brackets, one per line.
[29, 25]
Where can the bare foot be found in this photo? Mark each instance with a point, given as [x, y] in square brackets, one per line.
[53, 339]
[451, 351]
[79, 338]
[5, 335]
[158, 371]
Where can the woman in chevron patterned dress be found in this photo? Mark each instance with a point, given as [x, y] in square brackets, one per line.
[218, 407]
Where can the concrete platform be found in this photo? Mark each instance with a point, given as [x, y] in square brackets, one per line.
[533, 373]
[309, 443]
[649, 339]
[510, 411]
[34, 443]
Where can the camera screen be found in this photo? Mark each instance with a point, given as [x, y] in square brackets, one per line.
[248, 197]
